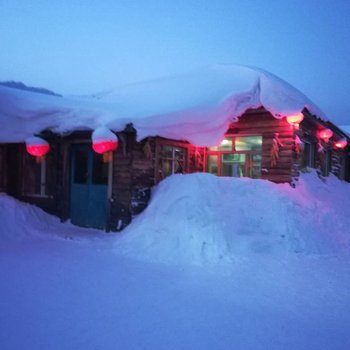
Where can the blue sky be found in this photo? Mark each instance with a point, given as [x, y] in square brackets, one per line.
[78, 47]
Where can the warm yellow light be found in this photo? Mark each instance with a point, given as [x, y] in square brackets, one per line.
[295, 119]
[341, 143]
[225, 142]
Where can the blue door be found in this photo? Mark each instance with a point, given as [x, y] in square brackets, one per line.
[88, 187]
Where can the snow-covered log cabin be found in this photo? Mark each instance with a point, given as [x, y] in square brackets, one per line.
[106, 152]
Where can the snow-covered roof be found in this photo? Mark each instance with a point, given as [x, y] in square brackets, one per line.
[196, 106]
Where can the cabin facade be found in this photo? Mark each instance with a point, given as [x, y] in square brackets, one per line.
[107, 190]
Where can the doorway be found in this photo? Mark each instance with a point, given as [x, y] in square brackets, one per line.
[88, 187]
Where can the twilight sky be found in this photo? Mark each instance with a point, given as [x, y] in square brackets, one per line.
[79, 47]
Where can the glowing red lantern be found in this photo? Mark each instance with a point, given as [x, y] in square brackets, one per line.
[295, 120]
[326, 134]
[37, 146]
[105, 146]
[341, 143]
[103, 140]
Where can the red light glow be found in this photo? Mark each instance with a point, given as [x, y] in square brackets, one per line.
[341, 143]
[38, 150]
[326, 134]
[104, 146]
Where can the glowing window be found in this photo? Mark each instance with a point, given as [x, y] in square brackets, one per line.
[236, 156]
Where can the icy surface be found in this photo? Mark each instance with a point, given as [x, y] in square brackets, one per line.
[155, 287]
[196, 107]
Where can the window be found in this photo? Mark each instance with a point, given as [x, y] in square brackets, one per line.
[236, 156]
[89, 167]
[172, 160]
[35, 175]
[99, 169]
[81, 166]
[308, 154]
[327, 162]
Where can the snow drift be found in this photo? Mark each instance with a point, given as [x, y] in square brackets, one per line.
[197, 106]
[20, 221]
[203, 219]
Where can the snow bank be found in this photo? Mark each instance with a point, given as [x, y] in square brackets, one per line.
[197, 106]
[20, 221]
[204, 219]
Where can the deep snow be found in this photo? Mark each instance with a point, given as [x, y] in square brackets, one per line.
[197, 106]
[151, 287]
[205, 219]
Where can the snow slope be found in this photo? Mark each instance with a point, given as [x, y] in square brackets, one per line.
[197, 106]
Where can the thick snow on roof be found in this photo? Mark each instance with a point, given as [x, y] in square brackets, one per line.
[196, 107]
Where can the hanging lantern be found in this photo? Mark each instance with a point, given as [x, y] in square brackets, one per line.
[36, 146]
[340, 144]
[326, 134]
[295, 120]
[104, 140]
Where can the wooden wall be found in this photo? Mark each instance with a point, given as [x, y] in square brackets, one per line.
[272, 130]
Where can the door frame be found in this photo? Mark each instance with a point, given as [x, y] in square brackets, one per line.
[69, 160]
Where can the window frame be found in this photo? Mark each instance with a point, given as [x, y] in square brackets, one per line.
[310, 158]
[219, 153]
[43, 193]
[160, 143]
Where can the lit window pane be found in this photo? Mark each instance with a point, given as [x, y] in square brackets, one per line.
[255, 167]
[212, 164]
[225, 145]
[233, 165]
[166, 167]
[248, 143]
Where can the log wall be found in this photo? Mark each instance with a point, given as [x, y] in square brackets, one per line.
[261, 122]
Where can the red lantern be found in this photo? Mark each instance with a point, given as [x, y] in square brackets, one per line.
[103, 140]
[295, 120]
[37, 146]
[340, 144]
[326, 134]
[104, 146]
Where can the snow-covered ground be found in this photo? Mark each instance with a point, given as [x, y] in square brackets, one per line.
[212, 263]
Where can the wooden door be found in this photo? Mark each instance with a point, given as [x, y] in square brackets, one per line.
[88, 187]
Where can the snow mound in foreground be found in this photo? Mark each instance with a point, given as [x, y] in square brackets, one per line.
[201, 219]
[19, 221]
